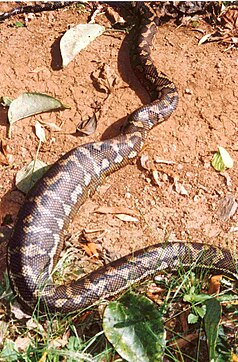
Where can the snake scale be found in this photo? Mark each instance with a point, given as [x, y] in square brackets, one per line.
[38, 237]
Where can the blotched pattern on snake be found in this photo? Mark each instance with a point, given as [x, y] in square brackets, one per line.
[38, 237]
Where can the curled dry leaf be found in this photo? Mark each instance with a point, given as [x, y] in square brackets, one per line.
[146, 162]
[104, 78]
[229, 20]
[227, 31]
[89, 126]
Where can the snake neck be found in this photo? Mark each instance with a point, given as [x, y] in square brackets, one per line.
[161, 89]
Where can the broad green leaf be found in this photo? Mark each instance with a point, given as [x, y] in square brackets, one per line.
[195, 298]
[40, 132]
[222, 160]
[211, 323]
[76, 39]
[28, 104]
[192, 318]
[9, 352]
[134, 326]
[29, 174]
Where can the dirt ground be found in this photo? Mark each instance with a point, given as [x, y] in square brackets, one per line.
[206, 77]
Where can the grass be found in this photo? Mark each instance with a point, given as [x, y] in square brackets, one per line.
[80, 337]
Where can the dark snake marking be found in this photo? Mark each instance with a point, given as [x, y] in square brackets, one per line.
[38, 238]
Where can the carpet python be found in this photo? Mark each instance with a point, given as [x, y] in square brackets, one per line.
[38, 237]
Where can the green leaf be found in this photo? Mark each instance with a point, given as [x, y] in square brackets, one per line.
[222, 160]
[76, 39]
[28, 104]
[19, 24]
[9, 352]
[224, 350]
[201, 311]
[29, 174]
[192, 318]
[75, 344]
[195, 298]
[135, 328]
[211, 323]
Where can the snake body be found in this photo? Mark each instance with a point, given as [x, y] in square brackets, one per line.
[38, 238]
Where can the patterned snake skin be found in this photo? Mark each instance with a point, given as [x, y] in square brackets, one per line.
[38, 238]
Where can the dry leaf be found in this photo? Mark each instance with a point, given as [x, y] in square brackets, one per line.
[215, 284]
[22, 343]
[91, 249]
[114, 14]
[227, 31]
[32, 325]
[18, 313]
[51, 125]
[125, 217]
[155, 174]
[204, 39]
[227, 177]
[104, 78]
[145, 162]
[116, 210]
[167, 162]
[40, 132]
[3, 330]
[88, 126]
[227, 208]
[229, 19]
[92, 231]
[60, 342]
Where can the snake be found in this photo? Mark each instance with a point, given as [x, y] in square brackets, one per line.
[38, 237]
